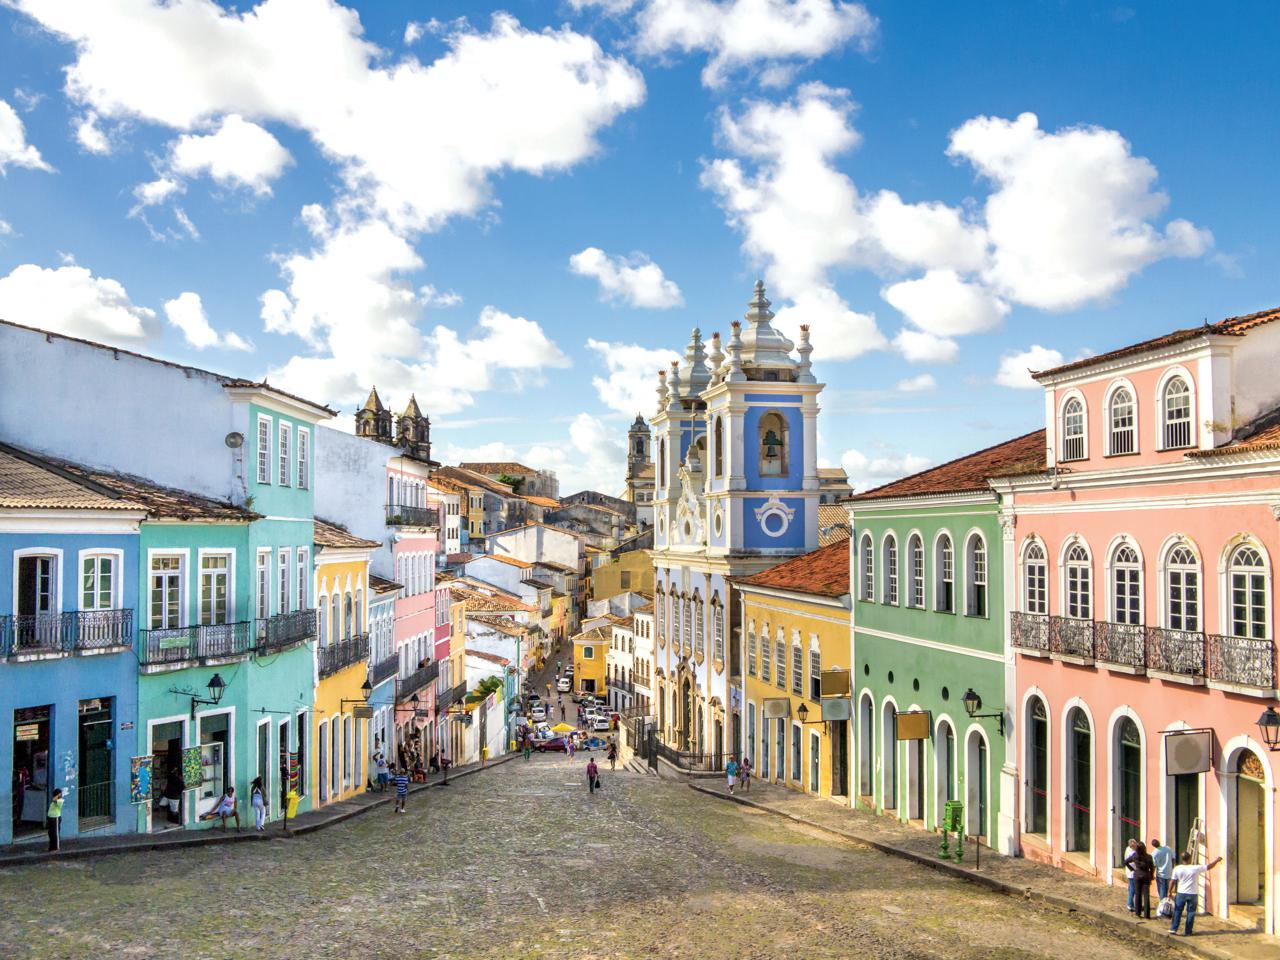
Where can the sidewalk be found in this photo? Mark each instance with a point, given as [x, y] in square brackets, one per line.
[1012, 875]
[301, 825]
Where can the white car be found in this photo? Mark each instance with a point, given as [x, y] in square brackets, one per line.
[564, 684]
[600, 722]
[539, 713]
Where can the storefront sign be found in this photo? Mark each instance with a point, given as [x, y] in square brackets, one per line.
[362, 711]
[139, 779]
[776, 708]
[1188, 751]
[127, 725]
[834, 683]
[913, 725]
[26, 731]
[836, 708]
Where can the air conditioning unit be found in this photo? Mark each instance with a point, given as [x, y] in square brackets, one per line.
[1188, 751]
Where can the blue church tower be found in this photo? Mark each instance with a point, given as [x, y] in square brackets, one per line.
[736, 492]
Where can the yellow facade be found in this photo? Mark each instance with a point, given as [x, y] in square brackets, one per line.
[340, 741]
[630, 572]
[475, 512]
[808, 624]
[589, 651]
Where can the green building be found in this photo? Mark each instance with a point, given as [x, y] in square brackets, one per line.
[931, 662]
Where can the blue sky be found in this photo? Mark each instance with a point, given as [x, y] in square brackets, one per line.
[396, 192]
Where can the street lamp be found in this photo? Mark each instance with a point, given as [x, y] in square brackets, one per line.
[802, 711]
[1269, 725]
[973, 703]
[216, 689]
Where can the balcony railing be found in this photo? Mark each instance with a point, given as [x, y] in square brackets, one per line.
[451, 696]
[1243, 661]
[384, 670]
[1071, 637]
[1029, 631]
[403, 515]
[343, 654]
[415, 681]
[1122, 643]
[284, 630]
[204, 642]
[76, 631]
[1175, 651]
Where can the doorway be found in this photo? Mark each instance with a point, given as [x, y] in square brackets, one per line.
[915, 780]
[95, 803]
[1079, 782]
[31, 746]
[866, 748]
[1128, 786]
[840, 759]
[1248, 833]
[779, 761]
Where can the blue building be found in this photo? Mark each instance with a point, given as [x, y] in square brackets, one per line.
[68, 674]
[736, 491]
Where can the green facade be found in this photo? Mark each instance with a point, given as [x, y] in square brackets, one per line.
[925, 657]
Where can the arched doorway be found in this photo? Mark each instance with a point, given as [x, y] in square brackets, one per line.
[977, 784]
[889, 756]
[866, 748]
[915, 780]
[944, 762]
[1037, 768]
[1127, 786]
[1079, 781]
[686, 713]
[1248, 832]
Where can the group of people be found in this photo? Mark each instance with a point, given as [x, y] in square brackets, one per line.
[738, 773]
[1142, 865]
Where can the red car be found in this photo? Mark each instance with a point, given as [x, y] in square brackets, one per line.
[556, 744]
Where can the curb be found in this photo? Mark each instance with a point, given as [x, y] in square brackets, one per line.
[1117, 923]
[207, 838]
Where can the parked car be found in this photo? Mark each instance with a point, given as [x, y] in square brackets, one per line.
[539, 713]
[564, 685]
[554, 744]
[600, 722]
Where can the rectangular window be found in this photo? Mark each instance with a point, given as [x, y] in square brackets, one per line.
[626, 580]
[302, 573]
[304, 458]
[588, 653]
[286, 461]
[1126, 596]
[766, 662]
[780, 661]
[1078, 592]
[282, 573]
[166, 592]
[214, 598]
[1184, 600]
[815, 675]
[1036, 600]
[262, 585]
[264, 449]
[98, 582]
[797, 669]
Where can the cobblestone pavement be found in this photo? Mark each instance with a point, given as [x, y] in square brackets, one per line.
[522, 862]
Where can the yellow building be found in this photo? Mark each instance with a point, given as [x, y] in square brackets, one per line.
[342, 654]
[626, 573]
[589, 651]
[797, 651]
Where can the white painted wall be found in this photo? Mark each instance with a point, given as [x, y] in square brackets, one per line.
[533, 543]
[351, 490]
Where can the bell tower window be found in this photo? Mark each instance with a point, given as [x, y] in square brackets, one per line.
[773, 445]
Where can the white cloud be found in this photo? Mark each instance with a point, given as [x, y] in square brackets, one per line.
[837, 331]
[6, 229]
[866, 472]
[919, 347]
[942, 304]
[431, 297]
[14, 149]
[632, 381]
[91, 136]
[237, 154]
[635, 280]
[186, 312]
[71, 300]
[918, 384]
[27, 99]
[1015, 368]
[1069, 219]
[745, 33]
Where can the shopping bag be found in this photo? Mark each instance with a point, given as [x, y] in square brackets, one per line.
[1165, 908]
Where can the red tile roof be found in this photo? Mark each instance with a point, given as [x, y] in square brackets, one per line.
[333, 535]
[824, 573]
[1263, 433]
[1025, 454]
[833, 523]
[509, 467]
[382, 585]
[1230, 327]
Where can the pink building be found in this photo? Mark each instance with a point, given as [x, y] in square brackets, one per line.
[1140, 564]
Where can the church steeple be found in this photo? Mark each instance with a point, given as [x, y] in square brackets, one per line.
[373, 420]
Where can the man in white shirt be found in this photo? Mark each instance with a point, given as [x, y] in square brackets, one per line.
[1186, 875]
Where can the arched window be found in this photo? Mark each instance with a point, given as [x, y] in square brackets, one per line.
[693, 623]
[660, 615]
[1176, 410]
[1038, 768]
[1073, 429]
[1247, 582]
[773, 445]
[717, 626]
[1035, 576]
[1126, 586]
[718, 453]
[944, 565]
[347, 611]
[915, 566]
[699, 614]
[868, 568]
[1182, 589]
[890, 568]
[1122, 432]
[780, 660]
[766, 658]
[976, 569]
[751, 648]
[1079, 592]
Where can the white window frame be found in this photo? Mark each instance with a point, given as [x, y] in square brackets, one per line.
[184, 566]
[1062, 427]
[97, 554]
[1113, 448]
[302, 574]
[284, 582]
[797, 665]
[1035, 578]
[1168, 571]
[944, 571]
[1131, 572]
[972, 569]
[304, 459]
[1161, 399]
[265, 449]
[889, 567]
[1229, 571]
[230, 573]
[915, 571]
[1072, 598]
[262, 583]
[868, 553]
[284, 453]
[766, 654]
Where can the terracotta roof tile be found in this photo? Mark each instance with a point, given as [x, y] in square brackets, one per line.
[1262, 433]
[1025, 454]
[382, 585]
[332, 535]
[26, 482]
[503, 625]
[510, 561]
[486, 603]
[509, 467]
[491, 657]
[594, 635]
[469, 478]
[824, 572]
[541, 501]
[833, 523]
[1230, 327]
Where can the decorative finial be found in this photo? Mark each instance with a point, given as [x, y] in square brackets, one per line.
[734, 374]
[804, 369]
[759, 305]
[662, 390]
[716, 358]
[673, 381]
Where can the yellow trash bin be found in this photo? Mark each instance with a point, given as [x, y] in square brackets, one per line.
[292, 803]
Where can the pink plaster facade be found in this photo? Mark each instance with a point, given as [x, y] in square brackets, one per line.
[1144, 591]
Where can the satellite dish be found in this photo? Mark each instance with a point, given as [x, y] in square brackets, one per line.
[234, 440]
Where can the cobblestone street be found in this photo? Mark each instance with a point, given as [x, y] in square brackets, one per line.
[522, 862]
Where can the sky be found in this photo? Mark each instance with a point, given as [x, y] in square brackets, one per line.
[518, 213]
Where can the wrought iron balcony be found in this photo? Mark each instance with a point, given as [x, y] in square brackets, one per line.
[343, 654]
[284, 630]
[1122, 643]
[1071, 637]
[408, 686]
[1029, 631]
[1243, 661]
[384, 670]
[451, 696]
[403, 515]
[1175, 651]
[203, 642]
[76, 631]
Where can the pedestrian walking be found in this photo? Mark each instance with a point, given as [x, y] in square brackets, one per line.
[593, 775]
[383, 769]
[402, 789]
[569, 747]
[227, 807]
[53, 820]
[258, 800]
[744, 774]
[1144, 869]
[1185, 877]
[612, 753]
[1131, 848]
[558, 668]
[1164, 858]
[528, 747]
[731, 772]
